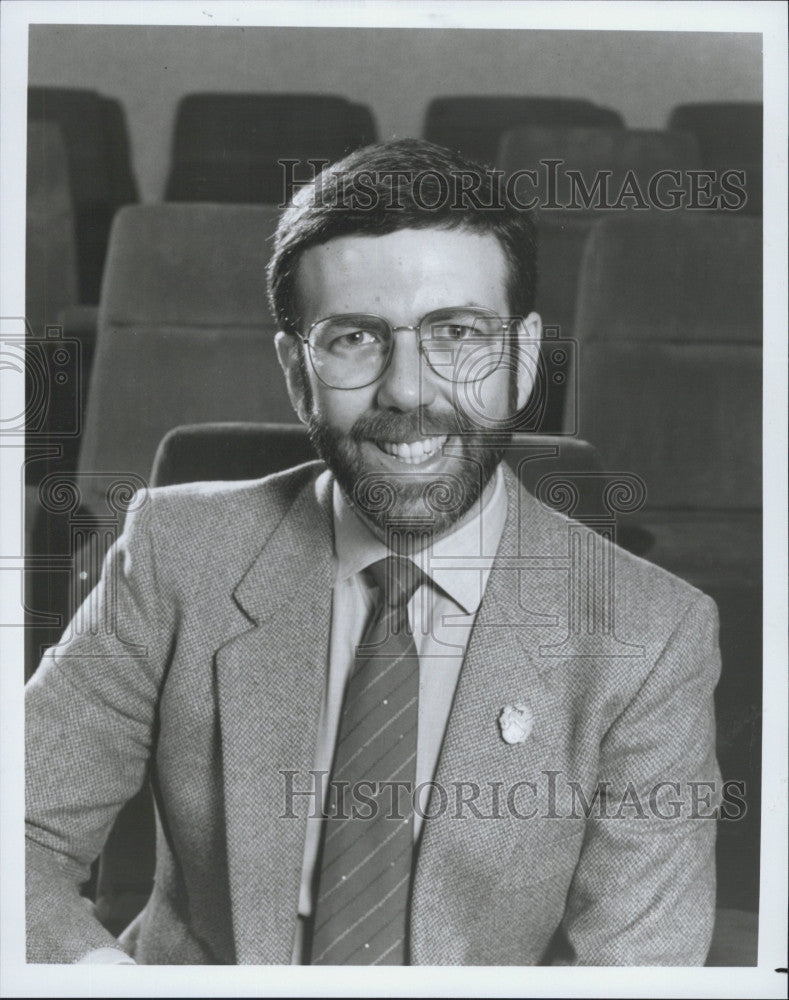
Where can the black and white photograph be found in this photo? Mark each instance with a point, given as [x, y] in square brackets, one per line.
[462, 655]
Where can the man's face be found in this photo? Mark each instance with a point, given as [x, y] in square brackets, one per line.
[411, 445]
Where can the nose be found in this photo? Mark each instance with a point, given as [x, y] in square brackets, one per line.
[406, 383]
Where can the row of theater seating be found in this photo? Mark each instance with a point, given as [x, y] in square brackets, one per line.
[226, 148]
[226, 131]
[184, 300]
[668, 311]
[666, 359]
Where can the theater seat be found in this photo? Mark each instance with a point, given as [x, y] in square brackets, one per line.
[100, 173]
[669, 324]
[50, 246]
[729, 134]
[598, 154]
[248, 451]
[229, 451]
[100, 180]
[185, 334]
[227, 147]
[591, 150]
[474, 125]
[52, 417]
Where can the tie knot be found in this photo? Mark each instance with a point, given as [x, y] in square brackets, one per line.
[397, 578]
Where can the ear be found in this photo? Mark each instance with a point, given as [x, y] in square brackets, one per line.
[288, 347]
[529, 334]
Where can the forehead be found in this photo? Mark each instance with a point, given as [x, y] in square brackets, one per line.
[402, 275]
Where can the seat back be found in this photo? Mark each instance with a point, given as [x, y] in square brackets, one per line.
[227, 147]
[729, 134]
[229, 451]
[360, 125]
[598, 155]
[474, 125]
[669, 324]
[247, 451]
[118, 152]
[50, 249]
[722, 126]
[100, 173]
[184, 334]
[594, 153]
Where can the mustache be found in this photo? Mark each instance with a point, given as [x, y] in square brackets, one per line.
[393, 426]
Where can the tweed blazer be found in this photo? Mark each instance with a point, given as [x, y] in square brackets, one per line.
[201, 660]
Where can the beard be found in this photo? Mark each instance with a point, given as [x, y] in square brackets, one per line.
[409, 500]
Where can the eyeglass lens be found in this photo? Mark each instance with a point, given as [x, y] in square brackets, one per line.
[460, 345]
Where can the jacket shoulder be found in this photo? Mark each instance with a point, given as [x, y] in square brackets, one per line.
[209, 507]
[221, 523]
[644, 599]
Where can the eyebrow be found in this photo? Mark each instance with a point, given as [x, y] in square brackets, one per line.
[363, 312]
[471, 304]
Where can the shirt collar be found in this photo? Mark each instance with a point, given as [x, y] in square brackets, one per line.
[356, 547]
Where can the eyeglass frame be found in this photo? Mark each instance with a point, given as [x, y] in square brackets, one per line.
[506, 326]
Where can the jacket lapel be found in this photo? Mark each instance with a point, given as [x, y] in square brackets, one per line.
[270, 684]
[522, 608]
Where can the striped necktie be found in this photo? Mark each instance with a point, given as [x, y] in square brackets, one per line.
[365, 868]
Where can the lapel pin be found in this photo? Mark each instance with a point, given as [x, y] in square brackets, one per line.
[516, 723]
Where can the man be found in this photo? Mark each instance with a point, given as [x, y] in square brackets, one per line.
[374, 732]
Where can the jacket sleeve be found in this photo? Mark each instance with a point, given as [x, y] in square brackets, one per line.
[643, 892]
[90, 710]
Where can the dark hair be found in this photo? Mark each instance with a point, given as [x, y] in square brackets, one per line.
[401, 184]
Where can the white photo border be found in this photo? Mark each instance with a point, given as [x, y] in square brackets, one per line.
[20, 979]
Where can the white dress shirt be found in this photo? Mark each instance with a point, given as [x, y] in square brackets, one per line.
[441, 615]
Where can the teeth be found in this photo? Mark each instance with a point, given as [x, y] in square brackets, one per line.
[415, 452]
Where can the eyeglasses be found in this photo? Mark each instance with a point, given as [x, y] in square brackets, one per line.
[460, 344]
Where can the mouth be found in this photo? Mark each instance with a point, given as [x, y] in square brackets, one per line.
[413, 452]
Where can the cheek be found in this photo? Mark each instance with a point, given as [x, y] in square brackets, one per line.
[486, 402]
[339, 408]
